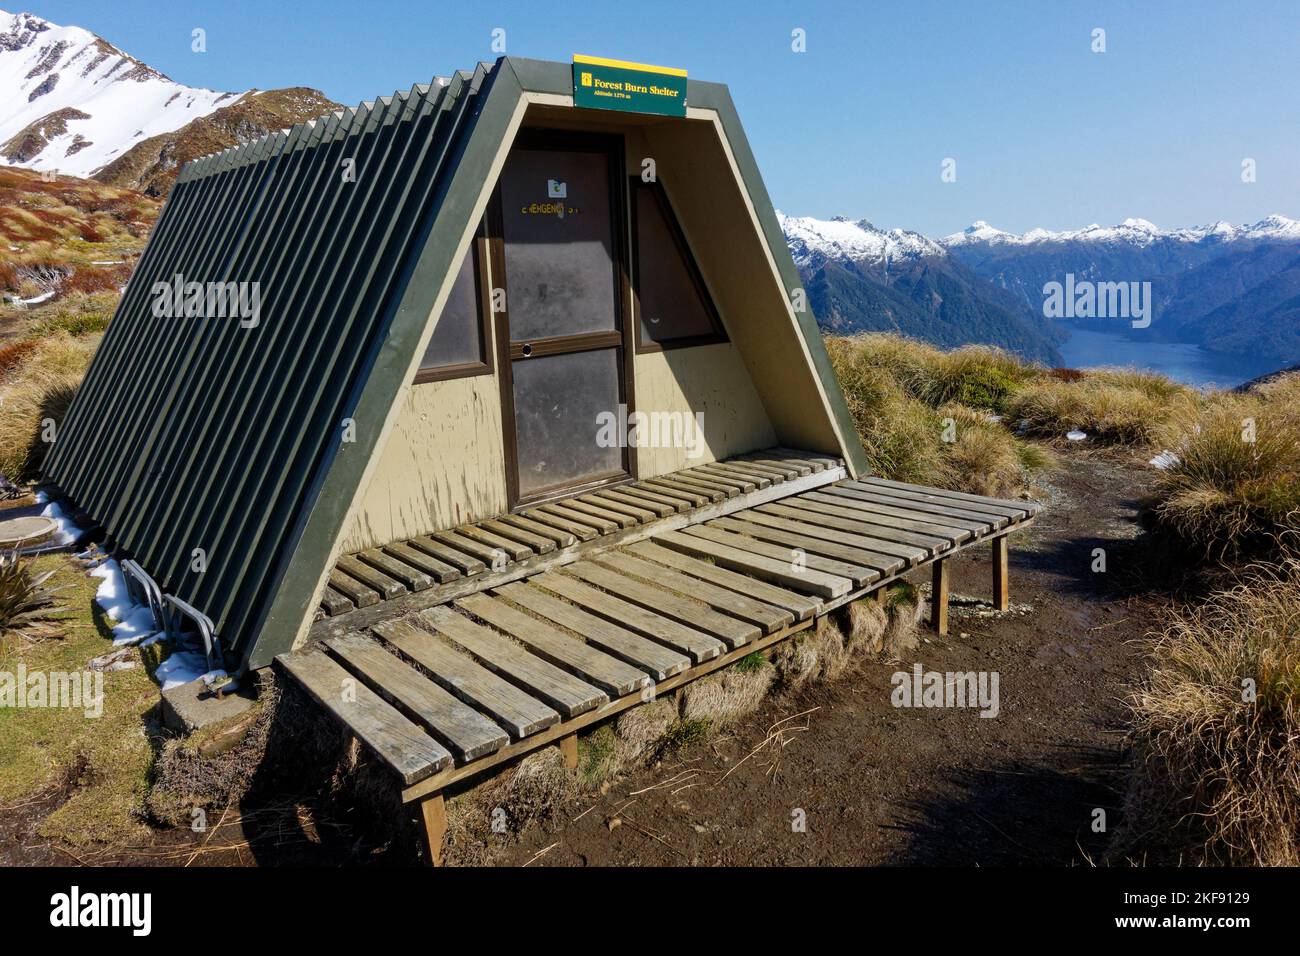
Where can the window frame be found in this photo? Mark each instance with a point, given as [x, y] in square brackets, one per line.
[718, 332]
[485, 365]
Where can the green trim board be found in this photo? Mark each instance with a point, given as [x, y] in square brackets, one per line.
[203, 437]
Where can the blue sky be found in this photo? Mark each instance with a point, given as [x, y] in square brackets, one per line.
[1044, 131]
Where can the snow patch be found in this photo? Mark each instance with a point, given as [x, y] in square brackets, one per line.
[66, 531]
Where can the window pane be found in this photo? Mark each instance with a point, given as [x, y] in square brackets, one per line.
[458, 336]
[559, 249]
[557, 399]
[671, 306]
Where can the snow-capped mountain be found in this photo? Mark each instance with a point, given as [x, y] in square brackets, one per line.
[860, 278]
[1226, 286]
[74, 102]
[840, 238]
[1135, 232]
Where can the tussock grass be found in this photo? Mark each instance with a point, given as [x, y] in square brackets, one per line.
[1218, 771]
[40, 388]
[1236, 486]
[925, 415]
[1111, 406]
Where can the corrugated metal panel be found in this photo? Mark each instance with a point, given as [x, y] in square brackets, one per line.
[197, 433]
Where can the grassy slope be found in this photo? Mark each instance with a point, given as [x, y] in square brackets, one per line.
[105, 761]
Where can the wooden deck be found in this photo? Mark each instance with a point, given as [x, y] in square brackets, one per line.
[482, 675]
[434, 569]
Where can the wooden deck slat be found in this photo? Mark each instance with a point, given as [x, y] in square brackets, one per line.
[676, 503]
[580, 518]
[578, 530]
[774, 475]
[557, 647]
[728, 489]
[792, 469]
[802, 606]
[491, 556]
[623, 496]
[1033, 507]
[808, 525]
[540, 543]
[540, 678]
[907, 499]
[412, 577]
[742, 484]
[619, 518]
[334, 602]
[562, 539]
[656, 660]
[402, 745]
[387, 587]
[880, 505]
[766, 616]
[462, 728]
[440, 571]
[781, 572]
[700, 646]
[740, 471]
[359, 594]
[802, 509]
[666, 486]
[886, 564]
[978, 508]
[666, 604]
[639, 513]
[518, 712]
[869, 514]
[857, 573]
[812, 458]
[515, 550]
[466, 563]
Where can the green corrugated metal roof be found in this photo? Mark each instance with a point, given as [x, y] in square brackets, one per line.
[200, 434]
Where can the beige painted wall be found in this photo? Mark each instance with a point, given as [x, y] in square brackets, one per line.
[705, 378]
[443, 464]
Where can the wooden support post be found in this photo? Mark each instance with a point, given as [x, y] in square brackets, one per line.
[1001, 589]
[434, 814]
[881, 594]
[939, 596]
[569, 747]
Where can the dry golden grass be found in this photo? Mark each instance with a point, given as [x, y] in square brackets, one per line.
[1236, 485]
[1219, 766]
[924, 415]
[37, 391]
[1111, 406]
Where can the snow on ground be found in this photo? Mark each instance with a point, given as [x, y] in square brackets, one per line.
[112, 595]
[181, 667]
[135, 627]
[67, 530]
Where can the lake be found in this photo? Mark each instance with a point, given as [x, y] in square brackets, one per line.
[1089, 347]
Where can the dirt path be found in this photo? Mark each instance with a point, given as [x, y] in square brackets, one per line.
[883, 785]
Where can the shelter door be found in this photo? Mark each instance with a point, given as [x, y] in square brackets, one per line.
[559, 258]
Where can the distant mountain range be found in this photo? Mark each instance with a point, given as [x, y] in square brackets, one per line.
[79, 105]
[1229, 288]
